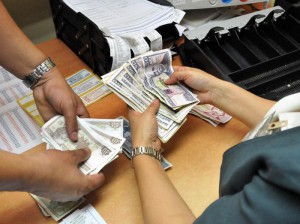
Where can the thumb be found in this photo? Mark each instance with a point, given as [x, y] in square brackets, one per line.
[95, 180]
[81, 155]
[153, 107]
[180, 75]
[71, 124]
[171, 80]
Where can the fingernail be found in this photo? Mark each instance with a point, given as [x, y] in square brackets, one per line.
[74, 136]
[155, 101]
[86, 149]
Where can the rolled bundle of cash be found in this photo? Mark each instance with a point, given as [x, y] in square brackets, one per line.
[140, 80]
[211, 114]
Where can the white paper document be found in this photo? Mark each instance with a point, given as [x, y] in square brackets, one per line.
[6, 76]
[18, 132]
[12, 90]
[127, 23]
[124, 16]
[86, 215]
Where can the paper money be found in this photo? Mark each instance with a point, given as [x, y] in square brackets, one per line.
[112, 126]
[211, 114]
[157, 69]
[140, 80]
[57, 210]
[109, 132]
[103, 136]
[54, 132]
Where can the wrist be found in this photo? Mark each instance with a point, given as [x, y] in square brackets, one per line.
[16, 179]
[32, 78]
[52, 74]
[145, 151]
[219, 92]
[147, 143]
[32, 176]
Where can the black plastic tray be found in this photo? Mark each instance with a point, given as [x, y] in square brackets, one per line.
[263, 58]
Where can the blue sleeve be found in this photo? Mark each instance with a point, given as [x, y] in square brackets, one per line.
[260, 182]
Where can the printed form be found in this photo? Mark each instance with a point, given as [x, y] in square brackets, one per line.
[18, 132]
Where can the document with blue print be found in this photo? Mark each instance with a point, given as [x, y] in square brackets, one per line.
[18, 132]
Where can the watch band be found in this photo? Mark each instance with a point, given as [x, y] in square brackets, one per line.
[32, 78]
[144, 150]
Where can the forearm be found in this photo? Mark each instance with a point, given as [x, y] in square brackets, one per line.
[241, 104]
[18, 54]
[13, 170]
[161, 202]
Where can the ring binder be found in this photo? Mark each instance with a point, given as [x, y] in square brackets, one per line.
[86, 40]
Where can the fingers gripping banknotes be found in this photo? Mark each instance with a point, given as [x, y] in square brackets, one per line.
[141, 79]
[103, 136]
[104, 148]
[175, 96]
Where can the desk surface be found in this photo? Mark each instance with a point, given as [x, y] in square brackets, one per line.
[195, 151]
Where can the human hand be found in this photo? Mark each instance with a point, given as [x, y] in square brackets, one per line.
[55, 175]
[144, 127]
[54, 96]
[202, 83]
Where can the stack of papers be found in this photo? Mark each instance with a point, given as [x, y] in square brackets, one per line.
[126, 16]
[18, 131]
[127, 24]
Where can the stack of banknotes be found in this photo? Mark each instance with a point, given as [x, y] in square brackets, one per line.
[57, 210]
[211, 114]
[104, 137]
[139, 81]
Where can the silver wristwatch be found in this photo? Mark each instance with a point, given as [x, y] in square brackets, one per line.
[144, 150]
[32, 78]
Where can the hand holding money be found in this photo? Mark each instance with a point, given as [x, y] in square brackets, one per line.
[202, 84]
[74, 169]
[139, 81]
[104, 147]
[58, 176]
[144, 127]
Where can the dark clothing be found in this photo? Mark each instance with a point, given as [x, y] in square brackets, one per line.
[260, 182]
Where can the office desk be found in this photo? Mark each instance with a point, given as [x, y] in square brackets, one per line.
[195, 151]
